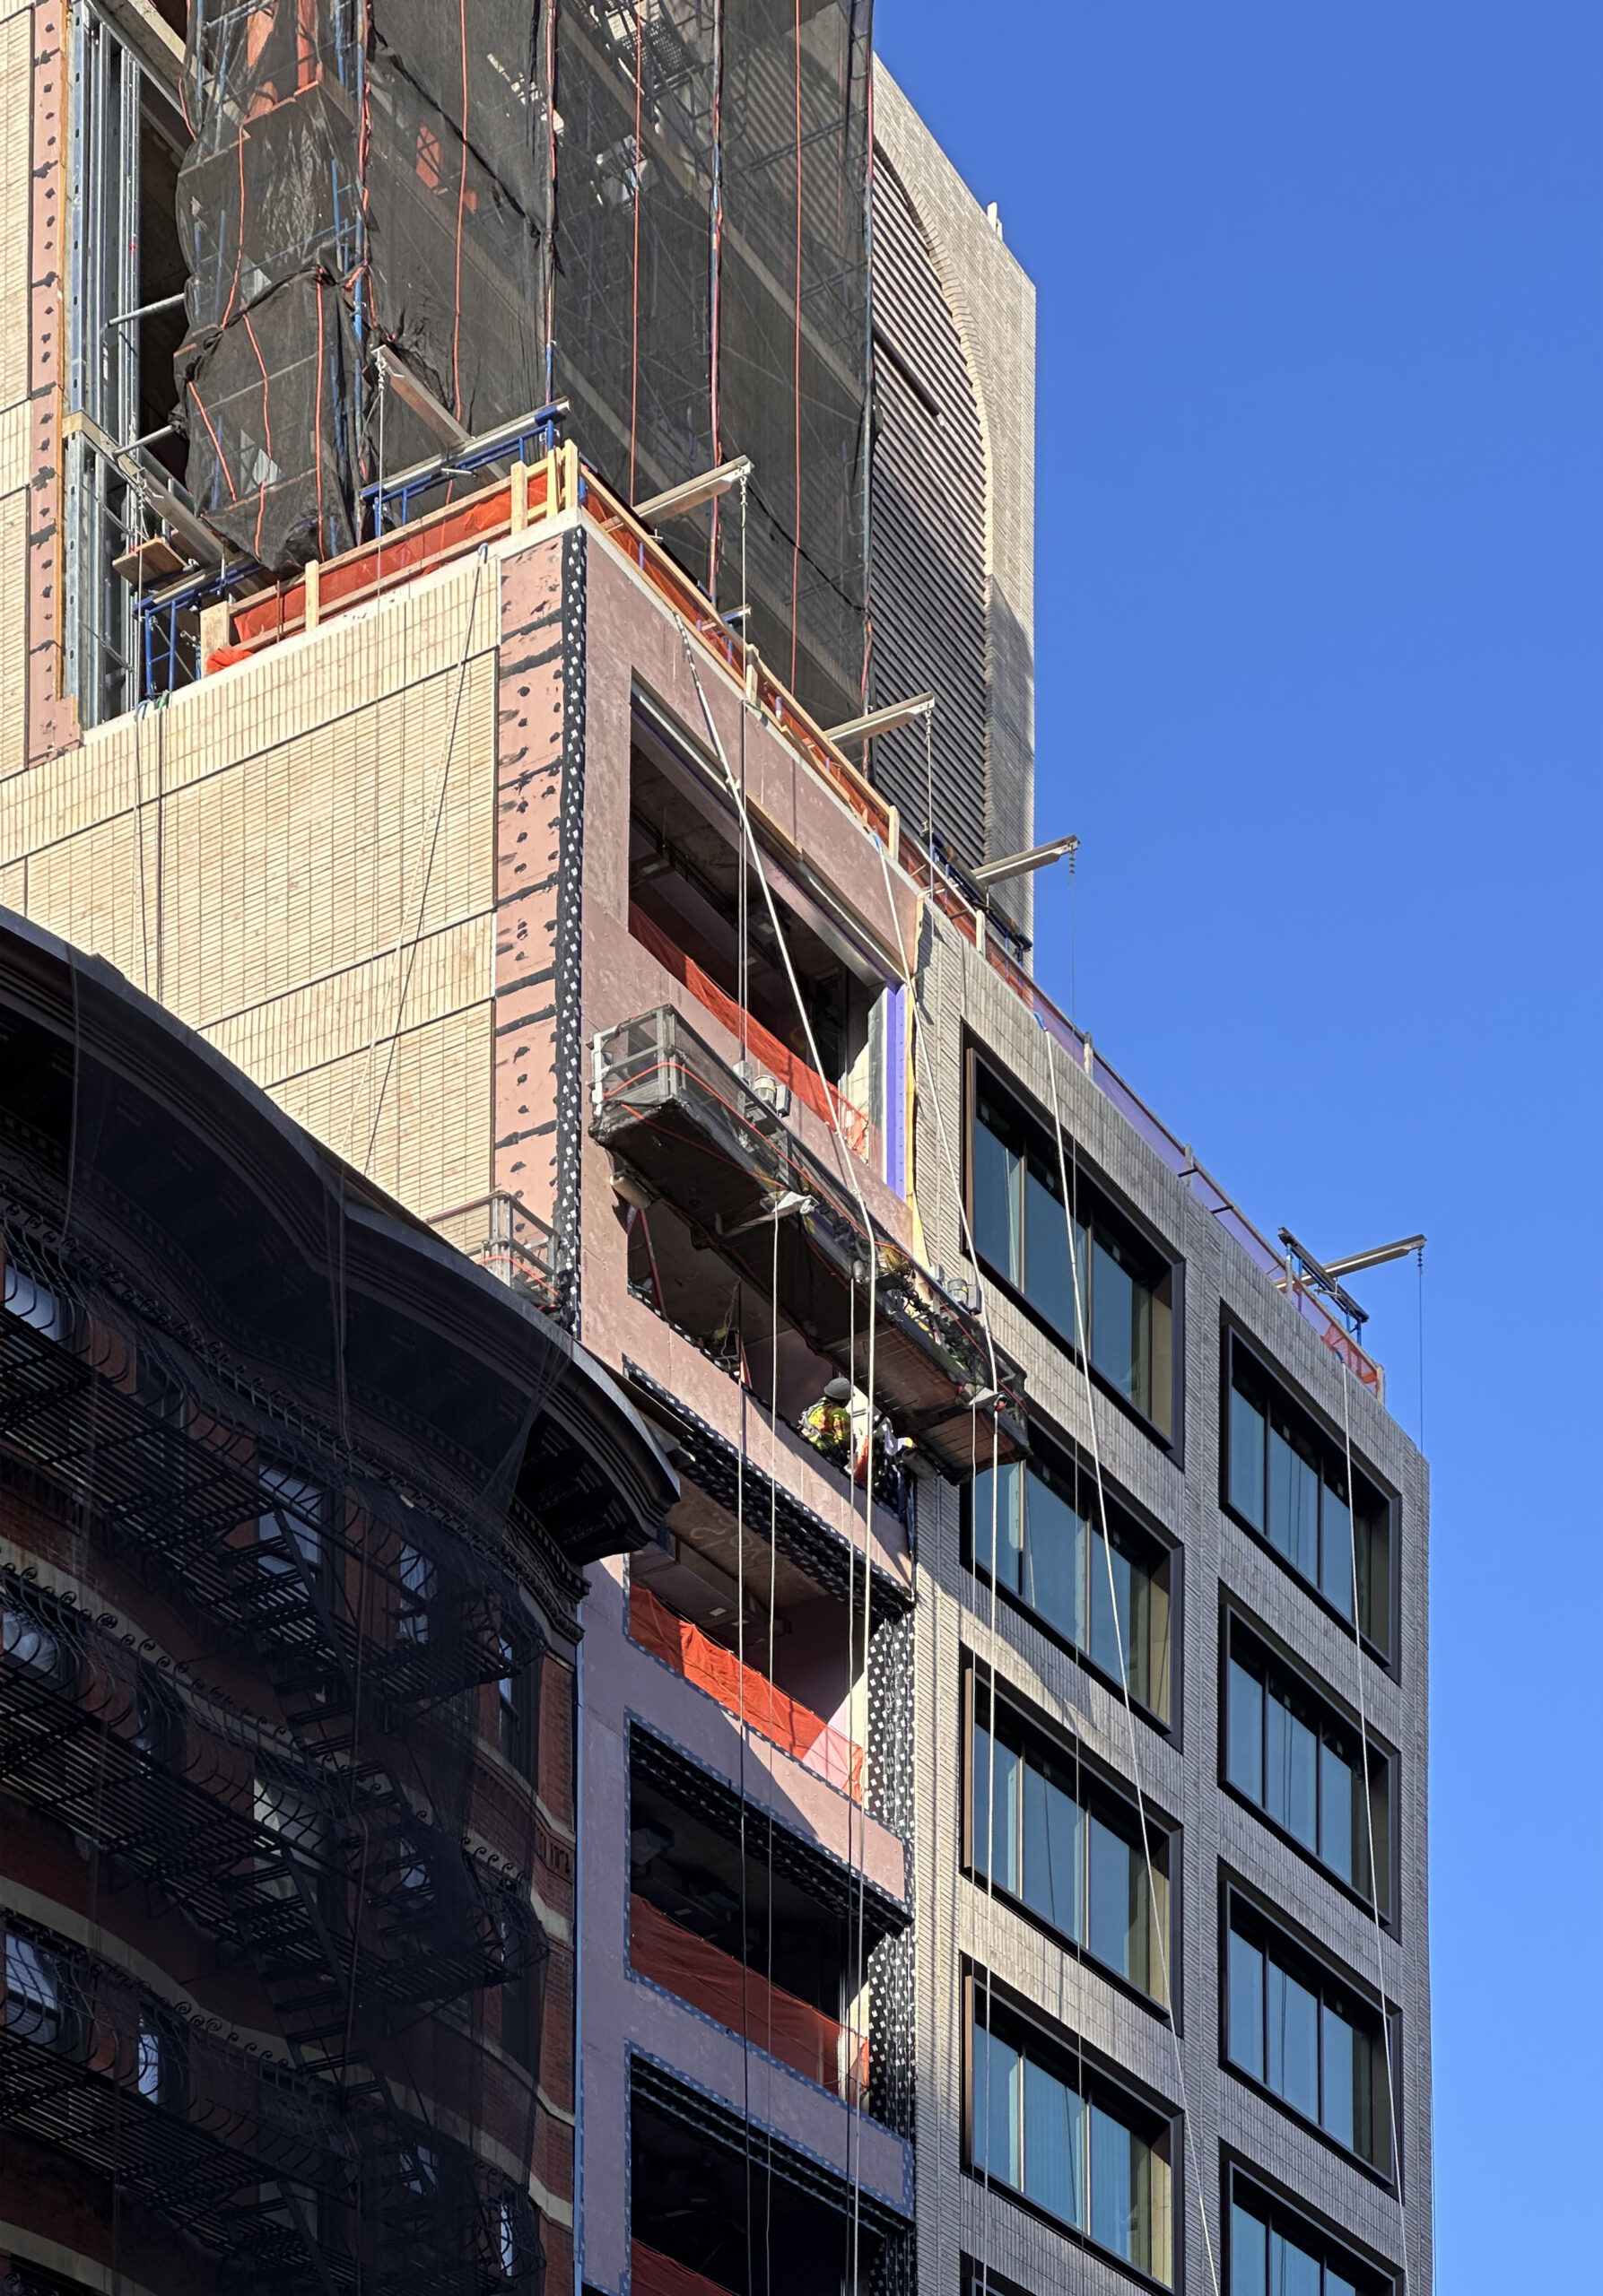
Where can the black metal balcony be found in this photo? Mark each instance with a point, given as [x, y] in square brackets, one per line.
[700, 1139]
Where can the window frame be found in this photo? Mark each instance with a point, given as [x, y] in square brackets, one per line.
[1247, 2187]
[1273, 1656]
[1095, 2076]
[283, 1490]
[62, 1323]
[1313, 1969]
[1106, 1791]
[1268, 1374]
[1117, 1214]
[516, 1693]
[163, 2032]
[1064, 1460]
[39, 1991]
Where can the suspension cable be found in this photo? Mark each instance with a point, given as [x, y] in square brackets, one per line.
[745, 2020]
[1107, 1550]
[1159, 1928]
[773, 1584]
[433, 848]
[844, 1156]
[984, 1313]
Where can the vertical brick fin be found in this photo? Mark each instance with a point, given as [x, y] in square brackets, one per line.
[531, 816]
[52, 721]
[570, 1009]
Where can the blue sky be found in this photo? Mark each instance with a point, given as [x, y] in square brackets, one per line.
[1320, 573]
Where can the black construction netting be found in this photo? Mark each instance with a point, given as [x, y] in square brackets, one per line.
[711, 257]
[299, 1756]
[655, 208]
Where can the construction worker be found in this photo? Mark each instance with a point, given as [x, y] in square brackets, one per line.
[844, 1426]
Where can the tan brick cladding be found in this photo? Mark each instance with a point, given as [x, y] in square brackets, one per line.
[298, 856]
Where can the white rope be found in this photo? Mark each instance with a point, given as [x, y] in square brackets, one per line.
[1369, 1819]
[988, 1930]
[745, 2037]
[844, 1156]
[773, 1584]
[1159, 1928]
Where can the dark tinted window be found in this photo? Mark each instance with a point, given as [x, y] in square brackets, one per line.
[1287, 1480]
[1305, 1766]
[1022, 1231]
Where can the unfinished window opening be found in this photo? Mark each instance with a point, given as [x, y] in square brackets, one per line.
[708, 2215]
[125, 321]
[676, 1268]
[747, 1241]
[740, 1934]
[805, 1691]
[684, 906]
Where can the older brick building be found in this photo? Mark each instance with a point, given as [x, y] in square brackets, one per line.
[292, 1504]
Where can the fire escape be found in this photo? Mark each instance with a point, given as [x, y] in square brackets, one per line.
[326, 1846]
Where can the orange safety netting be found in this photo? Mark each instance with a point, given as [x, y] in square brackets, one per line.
[765, 2014]
[786, 1722]
[804, 1081]
[652, 2273]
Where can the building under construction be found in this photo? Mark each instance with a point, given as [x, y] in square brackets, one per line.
[811, 1651]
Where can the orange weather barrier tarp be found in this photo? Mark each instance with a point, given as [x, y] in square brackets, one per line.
[765, 2014]
[786, 1722]
[804, 1081]
[652, 2273]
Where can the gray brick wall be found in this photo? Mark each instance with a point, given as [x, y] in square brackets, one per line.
[1179, 1771]
[991, 303]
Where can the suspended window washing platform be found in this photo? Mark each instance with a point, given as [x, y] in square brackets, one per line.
[758, 1233]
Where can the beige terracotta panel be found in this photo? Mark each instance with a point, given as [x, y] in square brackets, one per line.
[14, 438]
[331, 678]
[87, 889]
[433, 1145]
[82, 787]
[312, 856]
[357, 1012]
